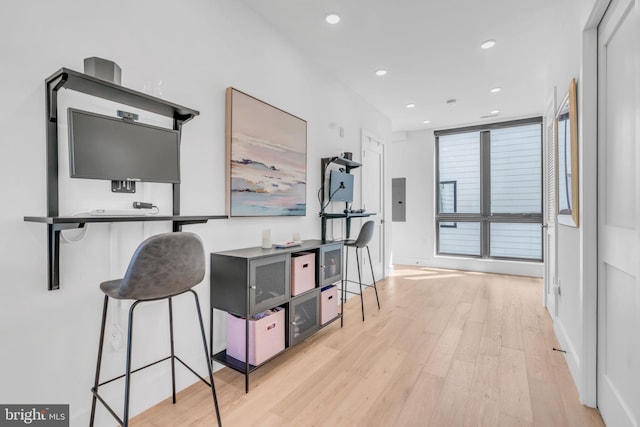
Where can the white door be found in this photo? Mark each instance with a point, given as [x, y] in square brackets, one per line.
[619, 214]
[373, 199]
[549, 224]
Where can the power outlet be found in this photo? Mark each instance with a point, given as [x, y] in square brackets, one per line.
[115, 337]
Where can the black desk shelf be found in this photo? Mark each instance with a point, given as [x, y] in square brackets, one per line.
[77, 220]
[325, 216]
[56, 224]
[79, 82]
[348, 163]
[347, 215]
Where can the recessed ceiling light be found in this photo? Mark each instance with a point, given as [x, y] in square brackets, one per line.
[332, 18]
[488, 44]
[381, 72]
[495, 90]
[426, 122]
[495, 111]
[411, 105]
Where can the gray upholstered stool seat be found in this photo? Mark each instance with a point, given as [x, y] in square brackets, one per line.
[163, 266]
[111, 288]
[362, 241]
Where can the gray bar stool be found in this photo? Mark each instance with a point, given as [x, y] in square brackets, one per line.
[163, 266]
[364, 237]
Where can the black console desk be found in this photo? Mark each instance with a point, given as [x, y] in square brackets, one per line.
[56, 224]
[325, 216]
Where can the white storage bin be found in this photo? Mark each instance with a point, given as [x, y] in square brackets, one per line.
[328, 303]
[266, 337]
[303, 272]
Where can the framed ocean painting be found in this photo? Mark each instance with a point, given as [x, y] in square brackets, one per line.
[266, 158]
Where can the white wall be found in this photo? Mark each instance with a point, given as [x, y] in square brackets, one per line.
[567, 323]
[413, 157]
[196, 49]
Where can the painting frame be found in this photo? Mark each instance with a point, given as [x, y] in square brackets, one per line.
[567, 178]
[266, 158]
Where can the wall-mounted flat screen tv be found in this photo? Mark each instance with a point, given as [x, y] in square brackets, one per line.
[104, 147]
[340, 186]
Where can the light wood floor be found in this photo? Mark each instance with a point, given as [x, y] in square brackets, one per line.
[448, 348]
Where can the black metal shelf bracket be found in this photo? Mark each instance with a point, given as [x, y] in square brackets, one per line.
[53, 260]
[324, 164]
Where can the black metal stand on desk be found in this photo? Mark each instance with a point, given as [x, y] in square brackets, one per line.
[349, 165]
[90, 85]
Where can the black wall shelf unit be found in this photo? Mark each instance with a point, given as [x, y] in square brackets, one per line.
[349, 166]
[79, 82]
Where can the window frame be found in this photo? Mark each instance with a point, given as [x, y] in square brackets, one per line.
[485, 217]
[455, 200]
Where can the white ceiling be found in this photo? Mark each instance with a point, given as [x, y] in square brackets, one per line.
[431, 49]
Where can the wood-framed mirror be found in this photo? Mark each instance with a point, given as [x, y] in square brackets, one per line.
[567, 159]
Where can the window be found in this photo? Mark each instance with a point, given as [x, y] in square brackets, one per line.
[448, 197]
[489, 191]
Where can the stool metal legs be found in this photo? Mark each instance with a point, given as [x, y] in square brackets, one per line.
[94, 389]
[360, 283]
[173, 354]
[375, 288]
[206, 356]
[346, 280]
[125, 421]
[127, 383]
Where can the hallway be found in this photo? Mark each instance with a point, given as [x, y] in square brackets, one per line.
[448, 348]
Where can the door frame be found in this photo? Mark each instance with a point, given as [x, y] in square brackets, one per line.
[364, 136]
[584, 368]
[607, 395]
[549, 224]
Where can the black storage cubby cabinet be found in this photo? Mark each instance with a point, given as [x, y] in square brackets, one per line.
[73, 80]
[248, 281]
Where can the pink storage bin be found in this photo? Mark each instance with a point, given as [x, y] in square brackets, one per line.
[328, 304]
[266, 337]
[303, 272]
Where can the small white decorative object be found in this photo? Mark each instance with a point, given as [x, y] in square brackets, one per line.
[266, 238]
